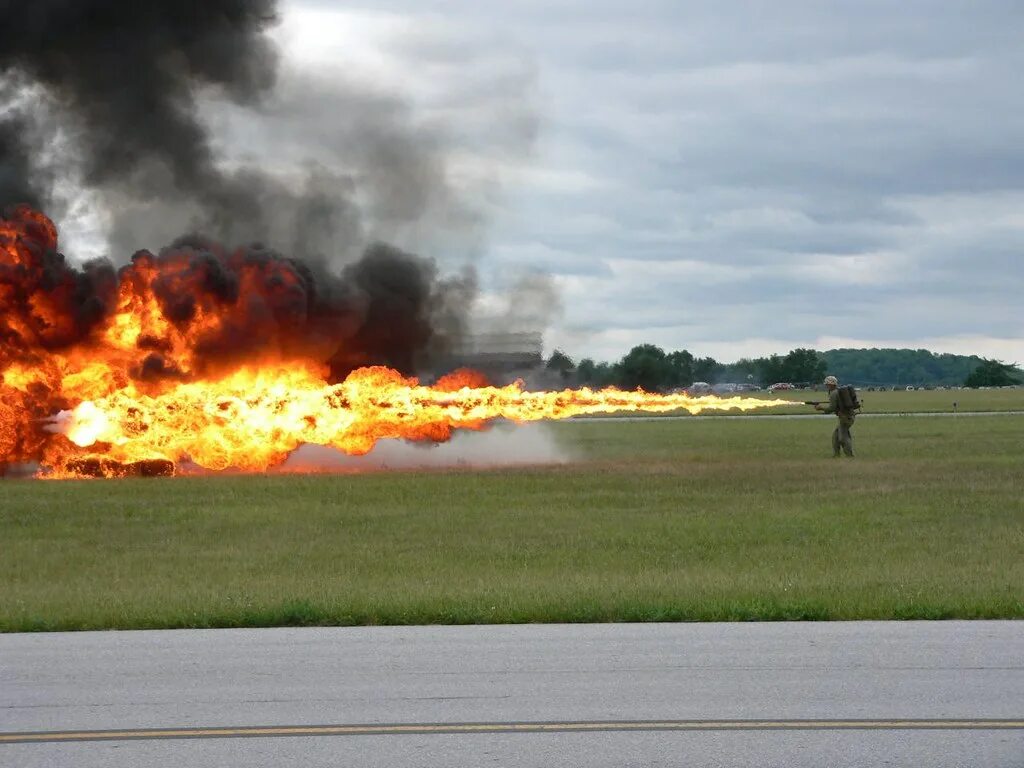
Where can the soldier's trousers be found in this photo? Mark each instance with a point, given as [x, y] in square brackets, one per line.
[842, 438]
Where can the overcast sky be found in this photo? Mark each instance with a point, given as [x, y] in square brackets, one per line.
[736, 179]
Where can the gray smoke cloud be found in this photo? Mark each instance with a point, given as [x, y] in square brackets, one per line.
[21, 178]
[125, 76]
[15, 170]
[503, 445]
[186, 117]
[327, 167]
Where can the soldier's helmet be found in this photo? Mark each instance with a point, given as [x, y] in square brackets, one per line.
[831, 380]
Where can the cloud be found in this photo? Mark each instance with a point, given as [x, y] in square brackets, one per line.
[734, 179]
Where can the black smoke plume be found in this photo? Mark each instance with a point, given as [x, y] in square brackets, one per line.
[125, 75]
[380, 310]
[16, 182]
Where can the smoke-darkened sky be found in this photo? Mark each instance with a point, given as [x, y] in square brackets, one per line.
[736, 178]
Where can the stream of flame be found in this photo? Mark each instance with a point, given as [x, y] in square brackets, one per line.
[253, 419]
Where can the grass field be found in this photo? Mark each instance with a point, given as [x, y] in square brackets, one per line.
[656, 520]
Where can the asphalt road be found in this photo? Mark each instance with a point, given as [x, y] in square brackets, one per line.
[814, 694]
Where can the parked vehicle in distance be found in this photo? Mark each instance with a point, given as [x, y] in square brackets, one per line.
[781, 385]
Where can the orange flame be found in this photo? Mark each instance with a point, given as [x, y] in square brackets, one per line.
[252, 419]
[251, 414]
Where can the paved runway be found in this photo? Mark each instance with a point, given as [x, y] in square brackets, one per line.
[854, 693]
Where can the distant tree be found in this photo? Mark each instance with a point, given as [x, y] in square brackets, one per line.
[594, 375]
[561, 364]
[771, 369]
[993, 373]
[743, 370]
[604, 375]
[799, 365]
[706, 369]
[586, 370]
[871, 367]
[680, 368]
[645, 366]
[803, 364]
[650, 367]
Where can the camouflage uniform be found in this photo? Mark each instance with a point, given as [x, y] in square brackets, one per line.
[841, 437]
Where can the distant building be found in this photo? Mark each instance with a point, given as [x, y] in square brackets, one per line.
[500, 356]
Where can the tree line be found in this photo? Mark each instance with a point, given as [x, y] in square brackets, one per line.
[652, 368]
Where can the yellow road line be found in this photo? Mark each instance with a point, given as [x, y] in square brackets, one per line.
[523, 727]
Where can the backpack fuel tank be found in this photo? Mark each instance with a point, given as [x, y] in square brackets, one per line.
[848, 400]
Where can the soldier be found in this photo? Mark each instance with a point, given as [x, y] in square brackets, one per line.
[841, 437]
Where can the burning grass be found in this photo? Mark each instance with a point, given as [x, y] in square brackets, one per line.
[669, 520]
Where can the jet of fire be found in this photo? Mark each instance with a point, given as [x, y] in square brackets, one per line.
[252, 419]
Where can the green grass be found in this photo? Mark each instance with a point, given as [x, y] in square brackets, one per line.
[657, 520]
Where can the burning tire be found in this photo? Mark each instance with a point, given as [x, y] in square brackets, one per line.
[111, 468]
